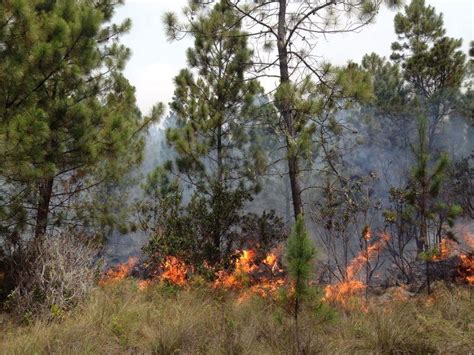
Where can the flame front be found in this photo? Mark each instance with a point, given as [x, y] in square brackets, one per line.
[262, 279]
[449, 248]
[446, 249]
[250, 276]
[343, 291]
[175, 271]
[119, 272]
[466, 268]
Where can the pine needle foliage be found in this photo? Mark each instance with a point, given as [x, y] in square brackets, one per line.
[300, 254]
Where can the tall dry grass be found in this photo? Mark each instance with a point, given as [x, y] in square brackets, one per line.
[120, 319]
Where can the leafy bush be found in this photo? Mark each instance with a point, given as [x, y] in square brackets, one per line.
[210, 228]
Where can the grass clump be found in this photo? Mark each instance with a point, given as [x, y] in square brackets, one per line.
[122, 319]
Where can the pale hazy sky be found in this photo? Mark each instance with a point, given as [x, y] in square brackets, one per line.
[155, 61]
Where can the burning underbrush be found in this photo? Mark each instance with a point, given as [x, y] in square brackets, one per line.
[453, 261]
[118, 272]
[456, 257]
[250, 273]
[350, 286]
[171, 270]
[255, 273]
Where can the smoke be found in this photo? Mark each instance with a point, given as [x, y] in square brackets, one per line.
[119, 245]
[374, 150]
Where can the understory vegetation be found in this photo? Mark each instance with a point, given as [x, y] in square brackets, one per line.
[122, 319]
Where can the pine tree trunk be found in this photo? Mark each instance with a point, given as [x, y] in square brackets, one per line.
[45, 191]
[293, 170]
[220, 178]
[286, 113]
[367, 271]
[220, 165]
[297, 330]
[428, 279]
[288, 200]
[424, 241]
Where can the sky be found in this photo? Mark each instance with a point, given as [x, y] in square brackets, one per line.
[156, 61]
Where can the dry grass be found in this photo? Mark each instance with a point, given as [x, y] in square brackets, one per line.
[121, 319]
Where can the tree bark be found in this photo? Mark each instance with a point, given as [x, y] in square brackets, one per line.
[45, 191]
[286, 112]
[293, 170]
[220, 179]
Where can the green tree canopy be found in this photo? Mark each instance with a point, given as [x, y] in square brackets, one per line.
[431, 61]
[215, 107]
[67, 112]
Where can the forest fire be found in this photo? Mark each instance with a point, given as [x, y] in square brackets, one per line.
[466, 264]
[238, 278]
[449, 248]
[249, 275]
[262, 278]
[172, 270]
[175, 271]
[343, 291]
[119, 272]
[446, 249]
[466, 268]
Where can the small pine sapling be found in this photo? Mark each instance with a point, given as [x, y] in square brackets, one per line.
[300, 255]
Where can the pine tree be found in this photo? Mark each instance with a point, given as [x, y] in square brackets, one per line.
[430, 60]
[68, 115]
[300, 254]
[467, 97]
[432, 64]
[418, 91]
[426, 182]
[390, 92]
[430, 213]
[433, 69]
[214, 103]
[285, 35]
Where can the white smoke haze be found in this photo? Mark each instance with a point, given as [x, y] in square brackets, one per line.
[383, 157]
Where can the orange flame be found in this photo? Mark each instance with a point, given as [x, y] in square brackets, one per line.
[119, 272]
[271, 260]
[172, 271]
[446, 249]
[243, 266]
[175, 271]
[449, 248]
[261, 279]
[343, 291]
[466, 268]
[367, 233]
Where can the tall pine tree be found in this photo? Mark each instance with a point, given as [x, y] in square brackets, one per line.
[285, 36]
[67, 112]
[432, 63]
[214, 104]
